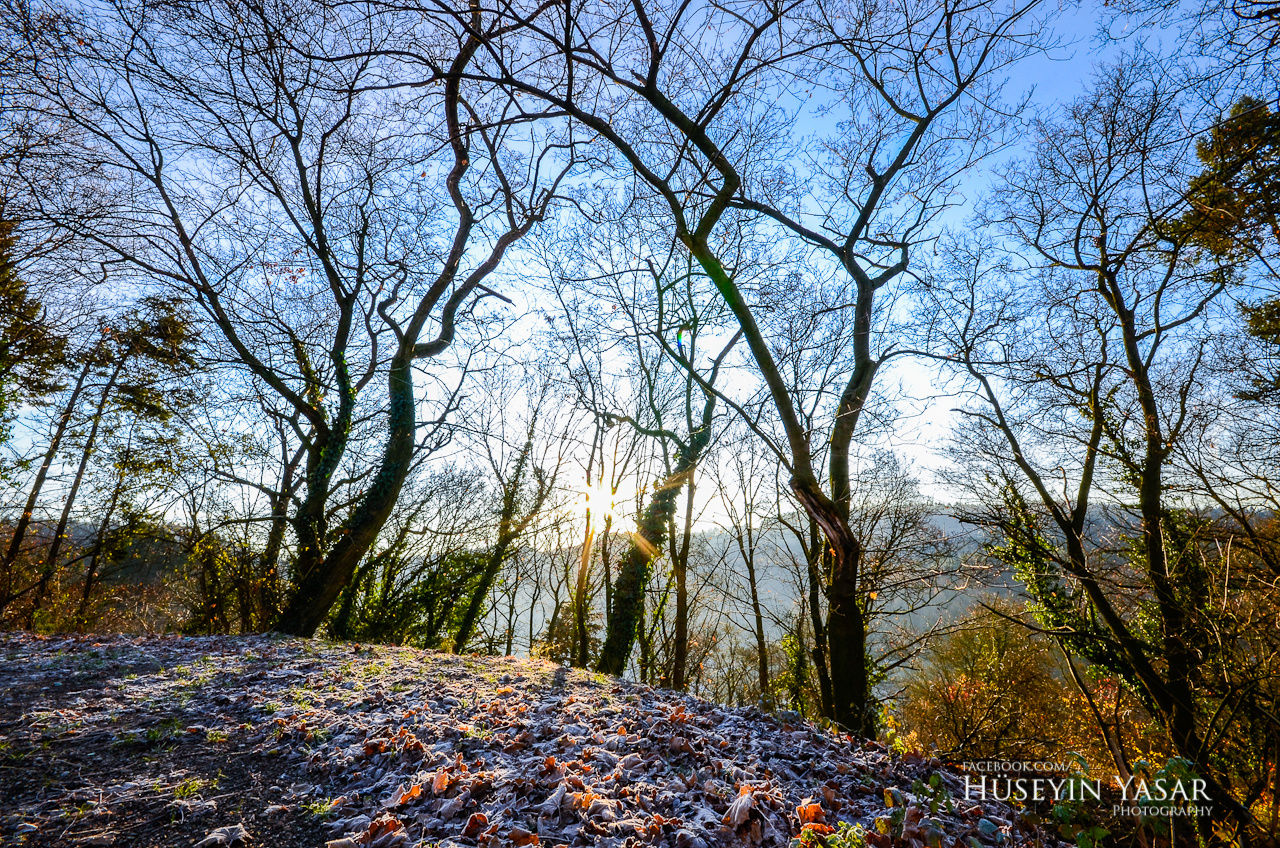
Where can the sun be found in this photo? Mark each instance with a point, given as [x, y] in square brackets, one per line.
[599, 501]
[604, 504]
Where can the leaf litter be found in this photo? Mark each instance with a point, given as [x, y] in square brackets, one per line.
[262, 740]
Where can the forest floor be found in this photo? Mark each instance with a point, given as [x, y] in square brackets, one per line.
[268, 741]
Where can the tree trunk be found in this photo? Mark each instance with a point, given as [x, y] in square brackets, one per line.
[24, 520]
[633, 576]
[817, 556]
[644, 635]
[847, 648]
[55, 545]
[509, 530]
[319, 586]
[91, 573]
[762, 650]
[511, 624]
[323, 576]
[493, 565]
[846, 631]
[680, 565]
[581, 653]
[266, 597]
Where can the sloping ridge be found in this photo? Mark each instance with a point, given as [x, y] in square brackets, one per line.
[384, 746]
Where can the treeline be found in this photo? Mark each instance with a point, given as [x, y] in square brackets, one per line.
[591, 331]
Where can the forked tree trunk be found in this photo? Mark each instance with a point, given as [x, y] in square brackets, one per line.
[325, 574]
[320, 586]
[846, 629]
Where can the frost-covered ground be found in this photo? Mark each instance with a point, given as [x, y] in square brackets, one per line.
[281, 742]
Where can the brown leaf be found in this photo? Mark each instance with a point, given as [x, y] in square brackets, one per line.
[878, 840]
[384, 825]
[475, 825]
[440, 783]
[602, 810]
[552, 805]
[740, 809]
[451, 808]
[520, 837]
[582, 800]
[811, 812]
[403, 795]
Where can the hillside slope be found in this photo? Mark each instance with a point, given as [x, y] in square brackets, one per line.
[182, 741]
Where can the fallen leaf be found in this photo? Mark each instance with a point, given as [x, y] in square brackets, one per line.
[689, 839]
[552, 805]
[519, 837]
[453, 807]
[602, 810]
[228, 835]
[403, 795]
[878, 840]
[475, 825]
[810, 812]
[385, 831]
[740, 809]
[440, 784]
[581, 800]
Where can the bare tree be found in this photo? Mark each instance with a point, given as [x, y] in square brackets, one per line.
[1088, 366]
[656, 333]
[744, 496]
[679, 92]
[526, 481]
[245, 160]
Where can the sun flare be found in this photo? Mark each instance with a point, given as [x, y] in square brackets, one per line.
[603, 503]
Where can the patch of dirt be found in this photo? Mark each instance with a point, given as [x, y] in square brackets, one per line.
[104, 743]
[294, 743]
